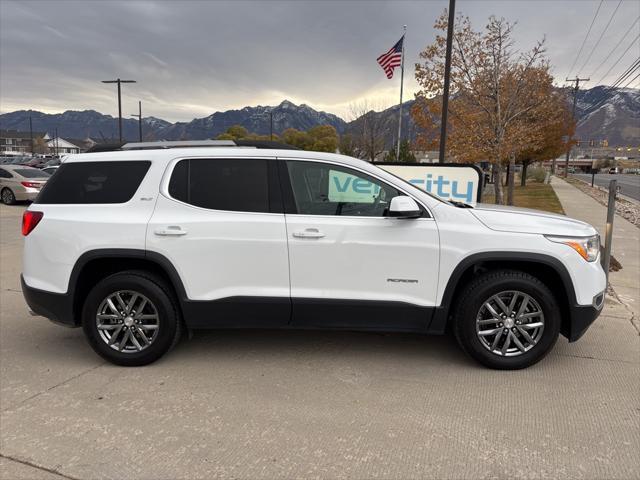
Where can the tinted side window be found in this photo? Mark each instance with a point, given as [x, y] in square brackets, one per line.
[240, 185]
[325, 189]
[94, 182]
[5, 174]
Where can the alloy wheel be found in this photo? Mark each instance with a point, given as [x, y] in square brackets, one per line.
[510, 323]
[127, 321]
[7, 197]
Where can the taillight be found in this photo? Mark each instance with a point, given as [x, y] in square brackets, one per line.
[30, 184]
[29, 221]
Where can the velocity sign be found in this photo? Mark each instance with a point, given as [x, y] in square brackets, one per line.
[459, 182]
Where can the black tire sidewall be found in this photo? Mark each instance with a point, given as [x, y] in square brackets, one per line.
[480, 292]
[168, 319]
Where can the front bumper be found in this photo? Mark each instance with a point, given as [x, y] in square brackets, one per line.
[582, 316]
[57, 307]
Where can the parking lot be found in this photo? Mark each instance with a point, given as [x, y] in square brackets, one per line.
[278, 404]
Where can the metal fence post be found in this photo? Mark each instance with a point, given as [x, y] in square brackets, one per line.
[611, 211]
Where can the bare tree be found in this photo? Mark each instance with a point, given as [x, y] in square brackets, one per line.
[369, 129]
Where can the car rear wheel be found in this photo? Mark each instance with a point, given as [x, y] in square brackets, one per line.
[507, 320]
[131, 319]
[8, 198]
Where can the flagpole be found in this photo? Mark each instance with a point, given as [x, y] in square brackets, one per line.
[401, 85]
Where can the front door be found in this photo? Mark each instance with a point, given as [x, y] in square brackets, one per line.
[351, 265]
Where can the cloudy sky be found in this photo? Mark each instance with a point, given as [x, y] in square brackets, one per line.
[192, 58]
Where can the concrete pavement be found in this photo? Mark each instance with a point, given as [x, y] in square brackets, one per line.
[281, 405]
[625, 246]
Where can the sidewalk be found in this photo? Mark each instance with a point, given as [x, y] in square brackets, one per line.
[625, 246]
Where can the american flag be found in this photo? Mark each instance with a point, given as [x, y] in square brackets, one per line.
[392, 59]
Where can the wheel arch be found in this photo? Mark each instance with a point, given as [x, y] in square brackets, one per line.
[94, 265]
[548, 269]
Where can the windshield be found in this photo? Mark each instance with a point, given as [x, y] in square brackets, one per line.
[31, 173]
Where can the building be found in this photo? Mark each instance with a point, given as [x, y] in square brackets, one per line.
[60, 146]
[14, 142]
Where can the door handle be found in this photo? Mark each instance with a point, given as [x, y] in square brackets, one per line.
[309, 233]
[170, 231]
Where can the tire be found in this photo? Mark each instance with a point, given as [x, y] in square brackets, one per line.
[156, 319]
[8, 198]
[473, 320]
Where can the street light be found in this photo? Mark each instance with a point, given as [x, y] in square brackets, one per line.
[118, 81]
[139, 115]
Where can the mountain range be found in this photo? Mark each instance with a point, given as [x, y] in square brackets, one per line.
[602, 113]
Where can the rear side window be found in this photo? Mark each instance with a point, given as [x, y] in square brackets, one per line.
[240, 185]
[94, 182]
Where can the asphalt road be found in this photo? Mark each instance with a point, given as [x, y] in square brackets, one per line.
[281, 405]
[629, 184]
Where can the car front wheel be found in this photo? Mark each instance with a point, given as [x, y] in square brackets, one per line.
[507, 320]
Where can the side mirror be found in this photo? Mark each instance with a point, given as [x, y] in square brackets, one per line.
[404, 207]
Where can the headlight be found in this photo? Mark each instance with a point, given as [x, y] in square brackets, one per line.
[587, 247]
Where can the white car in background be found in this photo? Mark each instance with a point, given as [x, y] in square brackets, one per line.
[20, 183]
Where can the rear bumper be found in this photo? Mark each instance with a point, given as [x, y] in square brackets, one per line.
[57, 307]
[26, 194]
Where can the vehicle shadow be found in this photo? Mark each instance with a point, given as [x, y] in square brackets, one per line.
[212, 345]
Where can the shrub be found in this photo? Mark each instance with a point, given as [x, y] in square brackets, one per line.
[537, 174]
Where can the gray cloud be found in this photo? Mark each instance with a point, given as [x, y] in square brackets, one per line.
[195, 57]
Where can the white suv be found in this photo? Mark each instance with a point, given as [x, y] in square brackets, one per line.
[137, 245]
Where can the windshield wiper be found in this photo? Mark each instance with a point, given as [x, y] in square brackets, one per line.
[459, 204]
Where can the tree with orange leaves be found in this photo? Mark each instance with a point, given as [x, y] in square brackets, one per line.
[500, 98]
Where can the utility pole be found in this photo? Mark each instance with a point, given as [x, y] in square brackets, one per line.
[401, 87]
[139, 115]
[31, 134]
[118, 81]
[271, 123]
[573, 118]
[447, 75]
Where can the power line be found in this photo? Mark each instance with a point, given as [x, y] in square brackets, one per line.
[635, 66]
[586, 36]
[620, 58]
[599, 38]
[608, 56]
[629, 71]
[632, 80]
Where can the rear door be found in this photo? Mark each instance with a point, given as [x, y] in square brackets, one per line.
[220, 222]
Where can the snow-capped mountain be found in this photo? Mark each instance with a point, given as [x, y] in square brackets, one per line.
[254, 119]
[602, 112]
[611, 114]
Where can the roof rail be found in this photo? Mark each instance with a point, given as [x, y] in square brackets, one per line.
[162, 144]
[177, 144]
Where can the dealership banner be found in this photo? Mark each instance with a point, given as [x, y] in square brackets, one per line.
[449, 181]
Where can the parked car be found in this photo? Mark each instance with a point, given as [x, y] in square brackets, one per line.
[13, 160]
[613, 170]
[50, 170]
[137, 245]
[52, 162]
[20, 183]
